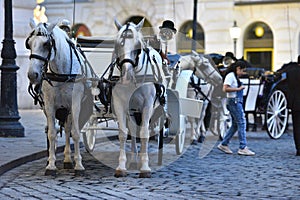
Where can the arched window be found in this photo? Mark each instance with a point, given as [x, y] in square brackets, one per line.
[185, 35]
[258, 45]
[80, 30]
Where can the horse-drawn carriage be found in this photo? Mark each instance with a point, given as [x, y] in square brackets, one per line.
[267, 95]
[62, 78]
[141, 96]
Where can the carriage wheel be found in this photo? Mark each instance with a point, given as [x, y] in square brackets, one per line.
[180, 137]
[276, 116]
[89, 134]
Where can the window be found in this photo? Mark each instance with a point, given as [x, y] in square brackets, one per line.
[258, 45]
[185, 35]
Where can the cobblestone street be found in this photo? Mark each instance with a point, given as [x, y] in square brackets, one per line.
[273, 173]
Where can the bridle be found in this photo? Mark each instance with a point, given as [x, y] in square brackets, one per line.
[127, 34]
[50, 44]
[206, 75]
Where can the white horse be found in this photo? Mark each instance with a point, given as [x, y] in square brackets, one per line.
[135, 96]
[61, 77]
[210, 81]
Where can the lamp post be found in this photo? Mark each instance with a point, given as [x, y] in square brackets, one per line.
[194, 25]
[235, 33]
[9, 115]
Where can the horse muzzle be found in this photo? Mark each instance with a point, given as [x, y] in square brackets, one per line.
[34, 77]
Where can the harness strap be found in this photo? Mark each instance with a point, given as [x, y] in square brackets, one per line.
[38, 57]
[35, 93]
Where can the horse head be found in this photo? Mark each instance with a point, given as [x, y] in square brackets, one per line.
[128, 45]
[42, 43]
[206, 69]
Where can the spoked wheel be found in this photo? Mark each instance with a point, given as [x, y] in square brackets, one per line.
[180, 137]
[276, 116]
[89, 134]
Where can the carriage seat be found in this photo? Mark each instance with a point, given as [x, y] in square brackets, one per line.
[174, 59]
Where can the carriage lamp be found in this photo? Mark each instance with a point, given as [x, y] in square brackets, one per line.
[235, 33]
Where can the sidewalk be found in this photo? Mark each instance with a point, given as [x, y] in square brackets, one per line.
[17, 151]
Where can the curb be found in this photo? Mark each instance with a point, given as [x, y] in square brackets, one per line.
[42, 154]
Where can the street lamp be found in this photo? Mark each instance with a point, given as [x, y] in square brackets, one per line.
[9, 115]
[235, 33]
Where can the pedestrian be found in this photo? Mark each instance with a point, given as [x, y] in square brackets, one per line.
[234, 92]
[293, 76]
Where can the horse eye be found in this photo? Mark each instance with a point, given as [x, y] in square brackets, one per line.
[47, 45]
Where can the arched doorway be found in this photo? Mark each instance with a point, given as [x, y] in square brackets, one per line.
[185, 35]
[258, 46]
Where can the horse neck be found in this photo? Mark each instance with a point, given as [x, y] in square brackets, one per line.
[186, 63]
[64, 59]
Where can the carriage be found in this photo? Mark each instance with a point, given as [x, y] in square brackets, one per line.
[268, 98]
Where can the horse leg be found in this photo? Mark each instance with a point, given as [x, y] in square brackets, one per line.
[145, 171]
[51, 168]
[67, 151]
[79, 169]
[133, 130]
[201, 125]
[193, 133]
[121, 169]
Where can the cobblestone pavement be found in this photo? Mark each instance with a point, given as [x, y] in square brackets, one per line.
[273, 173]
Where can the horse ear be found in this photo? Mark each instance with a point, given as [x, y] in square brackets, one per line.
[32, 23]
[195, 53]
[51, 27]
[139, 26]
[118, 24]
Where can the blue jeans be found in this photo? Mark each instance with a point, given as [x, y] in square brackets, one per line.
[235, 107]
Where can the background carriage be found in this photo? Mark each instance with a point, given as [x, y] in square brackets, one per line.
[265, 97]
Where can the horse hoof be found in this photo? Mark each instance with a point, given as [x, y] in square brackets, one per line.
[120, 173]
[145, 175]
[79, 172]
[201, 139]
[194, 142]
[68, 165]
[50, 172]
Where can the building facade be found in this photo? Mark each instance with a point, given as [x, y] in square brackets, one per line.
[270, 29]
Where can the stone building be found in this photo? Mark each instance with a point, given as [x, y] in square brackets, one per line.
[270, 29]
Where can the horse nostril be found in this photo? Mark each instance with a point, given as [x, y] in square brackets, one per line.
[33, 76]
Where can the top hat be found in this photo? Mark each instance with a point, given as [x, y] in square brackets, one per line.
[168, 24]
[230, 55]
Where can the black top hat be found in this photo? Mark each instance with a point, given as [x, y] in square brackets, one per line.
[168, 24]
[230, 55]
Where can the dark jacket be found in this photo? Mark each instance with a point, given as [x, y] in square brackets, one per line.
[293, 80]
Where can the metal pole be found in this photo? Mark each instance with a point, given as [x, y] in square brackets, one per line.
[9, 115]
[234, 46]
[194, 26]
